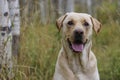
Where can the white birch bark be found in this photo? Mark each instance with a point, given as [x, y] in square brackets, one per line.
[119, 4]
[5, 36]
[52, 11]
[15, 19]
[70, 6]
[42, 11]
[15, 16]
[60, 7]
[89, 6]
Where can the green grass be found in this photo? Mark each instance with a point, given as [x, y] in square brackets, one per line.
[40, 46]
[106, 48]
[38, 52]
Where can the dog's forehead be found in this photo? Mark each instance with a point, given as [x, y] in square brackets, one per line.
[78, 16]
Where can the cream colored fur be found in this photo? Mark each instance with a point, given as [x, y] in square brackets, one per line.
[71, 65]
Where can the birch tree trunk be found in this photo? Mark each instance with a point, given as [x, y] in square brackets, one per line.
[60, 7]
[89, 6]
[119, 4]
[15, 19]
[5, 38]
[43, 11]
[70, 6]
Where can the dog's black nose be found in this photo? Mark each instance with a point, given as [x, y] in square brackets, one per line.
[78, 36]
[78, 32]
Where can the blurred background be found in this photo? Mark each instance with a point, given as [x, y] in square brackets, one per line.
[48, 10]
[40, 39]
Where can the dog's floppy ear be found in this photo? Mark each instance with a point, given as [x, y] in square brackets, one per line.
[96, 25]
[59, 21]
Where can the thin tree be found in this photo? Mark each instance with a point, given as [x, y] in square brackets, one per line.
[5, 38]
[43, 11]
[70, 6]
[60, 8]
[15, 19]
[54, 11]
[89, 6]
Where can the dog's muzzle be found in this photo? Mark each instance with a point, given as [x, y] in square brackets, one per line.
[78, 43]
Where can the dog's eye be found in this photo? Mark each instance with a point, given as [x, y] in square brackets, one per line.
[86, 23]
[70, 23]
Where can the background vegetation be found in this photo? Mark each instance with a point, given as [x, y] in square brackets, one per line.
[40, 44]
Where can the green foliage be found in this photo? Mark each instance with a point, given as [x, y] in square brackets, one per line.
[40, 46]
[106, 48]
[108, 11]
[38, 52]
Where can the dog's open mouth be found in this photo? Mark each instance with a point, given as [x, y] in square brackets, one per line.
[76, 47]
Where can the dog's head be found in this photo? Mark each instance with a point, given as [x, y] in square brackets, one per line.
[77, 29]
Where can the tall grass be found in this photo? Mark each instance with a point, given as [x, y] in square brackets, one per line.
[38, 52]
[106, 47]
[40, 46]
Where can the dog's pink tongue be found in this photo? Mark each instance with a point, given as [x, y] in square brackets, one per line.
[77, 47]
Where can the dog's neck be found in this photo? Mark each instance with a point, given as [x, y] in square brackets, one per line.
[77, 59]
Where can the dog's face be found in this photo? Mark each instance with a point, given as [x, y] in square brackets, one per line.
[77, 29]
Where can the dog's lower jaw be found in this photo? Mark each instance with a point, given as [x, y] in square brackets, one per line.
[76, 47]
[85, 54]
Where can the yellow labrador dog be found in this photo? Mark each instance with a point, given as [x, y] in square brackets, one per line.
[76, 61]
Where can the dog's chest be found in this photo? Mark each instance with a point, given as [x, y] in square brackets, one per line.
[75, 64]
[82, 72]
